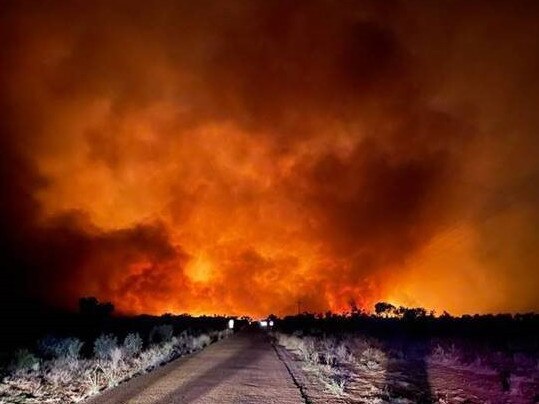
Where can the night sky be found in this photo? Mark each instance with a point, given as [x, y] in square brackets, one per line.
[237, 157]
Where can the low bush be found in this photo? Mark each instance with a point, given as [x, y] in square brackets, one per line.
[60, 348]
[23, 361]
[60, 376]
[161, 333]
[322, 357]
[104, 345]
[132, 345]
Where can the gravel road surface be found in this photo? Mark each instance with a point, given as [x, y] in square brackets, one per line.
[243, 368]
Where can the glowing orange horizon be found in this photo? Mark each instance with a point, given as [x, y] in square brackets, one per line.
[238, 159]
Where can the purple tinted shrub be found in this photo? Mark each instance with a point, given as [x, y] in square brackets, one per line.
[161, 333]
[104, 346]
[132, 345]
[24, 360]
[60, 348]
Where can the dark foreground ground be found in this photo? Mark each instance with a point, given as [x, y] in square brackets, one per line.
[244, 368]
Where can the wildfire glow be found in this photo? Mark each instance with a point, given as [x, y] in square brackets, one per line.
[240, 158]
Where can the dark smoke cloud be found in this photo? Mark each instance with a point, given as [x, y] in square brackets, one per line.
[311, 151]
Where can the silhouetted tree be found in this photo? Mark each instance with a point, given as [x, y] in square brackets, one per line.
[106, 309]
[384, 308]
[411, 313]
[90, 306]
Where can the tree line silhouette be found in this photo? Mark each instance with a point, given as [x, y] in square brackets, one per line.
[502, 331]
[30, 321]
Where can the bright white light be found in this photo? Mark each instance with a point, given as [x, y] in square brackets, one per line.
[231, 324]
[263, 323]
[271, 323]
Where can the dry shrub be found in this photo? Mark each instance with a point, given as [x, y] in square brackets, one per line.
[66, 378]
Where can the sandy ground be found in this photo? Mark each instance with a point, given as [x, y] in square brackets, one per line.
[241, 369]
[407, 382]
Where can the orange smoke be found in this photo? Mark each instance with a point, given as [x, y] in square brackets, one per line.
[242, 157]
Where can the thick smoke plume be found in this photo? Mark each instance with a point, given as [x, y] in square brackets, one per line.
[244, 156]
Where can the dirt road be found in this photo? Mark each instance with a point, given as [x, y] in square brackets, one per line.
[241, 369]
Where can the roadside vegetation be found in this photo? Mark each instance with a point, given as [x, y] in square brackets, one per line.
[412, 356]
[71, 368]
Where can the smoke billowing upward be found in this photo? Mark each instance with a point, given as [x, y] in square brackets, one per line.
[236, 157]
